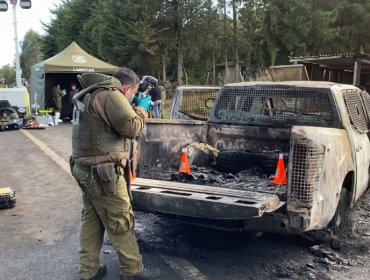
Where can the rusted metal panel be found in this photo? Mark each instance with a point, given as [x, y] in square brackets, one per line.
[193, 102]
[201, 201]
[162, 140]
[253, 138]
[295, 72]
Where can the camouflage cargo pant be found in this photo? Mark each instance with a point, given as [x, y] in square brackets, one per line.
[112, 213]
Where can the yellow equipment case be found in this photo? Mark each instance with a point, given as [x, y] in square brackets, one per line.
[7, 198]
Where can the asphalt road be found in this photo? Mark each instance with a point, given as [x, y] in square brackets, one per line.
[39, 237]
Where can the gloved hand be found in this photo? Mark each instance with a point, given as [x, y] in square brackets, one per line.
[145, 103]
[136, 98]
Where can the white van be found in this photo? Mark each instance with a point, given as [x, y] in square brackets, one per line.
[19, 99]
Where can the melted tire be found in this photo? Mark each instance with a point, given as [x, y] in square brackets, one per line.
[234, 161]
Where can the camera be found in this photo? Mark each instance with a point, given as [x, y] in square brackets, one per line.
[146, 82]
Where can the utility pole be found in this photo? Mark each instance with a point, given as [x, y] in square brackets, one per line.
[25, 4]
[18, 70]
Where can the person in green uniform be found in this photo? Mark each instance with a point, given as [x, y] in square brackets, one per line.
[57, 95]
[104, 121]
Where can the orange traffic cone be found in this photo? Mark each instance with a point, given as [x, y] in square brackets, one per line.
[280, 174]
[132, 177]
[184, 163]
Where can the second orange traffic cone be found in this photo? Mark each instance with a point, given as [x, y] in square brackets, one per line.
[132, 177]
[184, 163]
[280, 174]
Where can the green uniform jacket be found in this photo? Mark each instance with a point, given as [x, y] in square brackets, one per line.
[57, 98]
[105, 120]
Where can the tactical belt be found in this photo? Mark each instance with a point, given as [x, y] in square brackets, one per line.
[93, 168]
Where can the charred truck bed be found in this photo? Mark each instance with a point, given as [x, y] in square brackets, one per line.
[241, 193]
[202, 201]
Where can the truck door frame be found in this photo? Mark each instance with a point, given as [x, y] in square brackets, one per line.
[358, 135]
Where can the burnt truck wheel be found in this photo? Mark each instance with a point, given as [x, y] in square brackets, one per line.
[339, 227]
[341, 223]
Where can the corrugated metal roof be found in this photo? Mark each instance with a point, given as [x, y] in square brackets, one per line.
[343, 61]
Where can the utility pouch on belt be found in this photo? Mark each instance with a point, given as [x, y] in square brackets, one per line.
[126, 176]
[107, 177]
[71, 164]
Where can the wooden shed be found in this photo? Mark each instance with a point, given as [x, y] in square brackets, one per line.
[346, 68]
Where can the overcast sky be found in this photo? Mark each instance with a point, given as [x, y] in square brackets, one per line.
[27, 19]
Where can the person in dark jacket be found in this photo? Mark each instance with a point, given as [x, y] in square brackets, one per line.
[156, 95]
[72, 93]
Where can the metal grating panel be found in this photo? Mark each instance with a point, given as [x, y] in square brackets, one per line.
[288, 73]
[366, 99]
[307, 162]
[356, 110]
[274, 105]
[195, 102]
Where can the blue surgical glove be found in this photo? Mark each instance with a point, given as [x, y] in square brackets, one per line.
[145, 103]
[136, 98]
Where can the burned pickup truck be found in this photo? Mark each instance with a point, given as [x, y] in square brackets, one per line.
[321, 128]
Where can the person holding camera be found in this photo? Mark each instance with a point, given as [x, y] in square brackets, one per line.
[149, 86]
[103, 124]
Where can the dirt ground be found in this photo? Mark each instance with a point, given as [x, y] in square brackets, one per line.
[39, 237]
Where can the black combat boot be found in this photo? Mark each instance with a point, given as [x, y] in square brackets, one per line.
[153, 274]
[99, 275]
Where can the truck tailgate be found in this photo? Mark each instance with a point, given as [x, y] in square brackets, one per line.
[201, 201]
